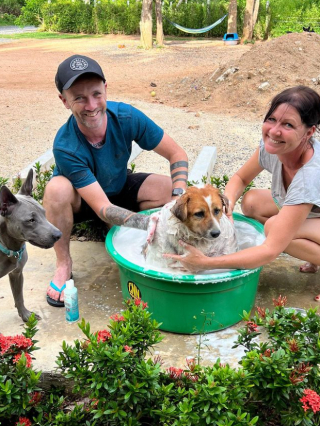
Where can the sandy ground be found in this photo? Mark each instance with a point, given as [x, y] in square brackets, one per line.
[196, 102]
[31, 112]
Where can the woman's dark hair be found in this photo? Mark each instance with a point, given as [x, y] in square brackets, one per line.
[305, 100]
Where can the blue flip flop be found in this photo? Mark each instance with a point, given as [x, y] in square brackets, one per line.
[57, 303]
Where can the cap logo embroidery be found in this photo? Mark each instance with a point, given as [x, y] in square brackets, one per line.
[78, 64]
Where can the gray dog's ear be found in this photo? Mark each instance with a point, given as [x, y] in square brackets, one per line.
[27, 186]
[180, 210]
[7, 201]
[225, 202]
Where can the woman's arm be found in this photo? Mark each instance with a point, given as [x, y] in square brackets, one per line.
[237, 184]
[284, 227]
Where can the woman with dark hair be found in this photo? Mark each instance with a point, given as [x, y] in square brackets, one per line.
[290, 211]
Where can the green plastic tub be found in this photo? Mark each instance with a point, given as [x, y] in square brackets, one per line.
[188, 303]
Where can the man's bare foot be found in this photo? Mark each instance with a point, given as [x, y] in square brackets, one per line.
[61, 275]
[309, 267]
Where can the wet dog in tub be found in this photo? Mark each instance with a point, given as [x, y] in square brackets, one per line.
[198, 218]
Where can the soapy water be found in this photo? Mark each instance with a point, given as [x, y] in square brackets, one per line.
[128, 242]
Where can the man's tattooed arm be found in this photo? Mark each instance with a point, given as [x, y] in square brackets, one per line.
[118, 216]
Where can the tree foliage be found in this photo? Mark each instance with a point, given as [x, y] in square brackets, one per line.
[123, 16]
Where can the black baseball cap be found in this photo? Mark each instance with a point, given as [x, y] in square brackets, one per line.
[73, 67]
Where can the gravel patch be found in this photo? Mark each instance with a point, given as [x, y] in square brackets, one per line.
[234, 138]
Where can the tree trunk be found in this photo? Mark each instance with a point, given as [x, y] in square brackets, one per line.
[268, 21]
[232, 17]
[159, 36]
[255, 13]
[248, 21]
[146, 24]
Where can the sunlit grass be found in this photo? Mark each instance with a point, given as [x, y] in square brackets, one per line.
[43, 35]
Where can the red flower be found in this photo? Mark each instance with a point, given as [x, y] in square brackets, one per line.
[35, 398]
[128, 349]
[17, 357]
[139, 302]
[295, 378]
[310, 400]
[193, 378]
[157, 360]
[117, 318]
[266, 353]
[293, 345]
[281, 301]
[191, 363]
[174, 373]
[19, 342]
[251, 327]
[103, 335]
[304, 368]
[261, 312]
[23, 421]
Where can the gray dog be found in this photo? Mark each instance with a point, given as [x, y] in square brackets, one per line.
[22, 219]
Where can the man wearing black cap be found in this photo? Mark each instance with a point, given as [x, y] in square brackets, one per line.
[91, 153]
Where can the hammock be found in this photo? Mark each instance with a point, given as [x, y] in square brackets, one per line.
[197, 31]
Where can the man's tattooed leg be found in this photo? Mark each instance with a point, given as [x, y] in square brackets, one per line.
[118, 216]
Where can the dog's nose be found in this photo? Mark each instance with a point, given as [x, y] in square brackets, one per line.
[57, 235]
[215, 234]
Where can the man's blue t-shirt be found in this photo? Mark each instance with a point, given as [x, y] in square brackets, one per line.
[83, 164]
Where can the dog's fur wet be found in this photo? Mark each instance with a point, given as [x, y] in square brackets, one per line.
[22, 219]
[197, 218]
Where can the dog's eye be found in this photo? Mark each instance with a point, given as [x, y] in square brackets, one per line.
[216, 212]
[199, 214]
[31, 220]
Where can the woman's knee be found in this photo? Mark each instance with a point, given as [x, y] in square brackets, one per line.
[248, 203]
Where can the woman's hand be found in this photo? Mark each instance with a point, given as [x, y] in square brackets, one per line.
[229, 212]
[193, 260]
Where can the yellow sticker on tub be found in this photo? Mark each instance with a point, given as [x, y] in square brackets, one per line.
[134, 291]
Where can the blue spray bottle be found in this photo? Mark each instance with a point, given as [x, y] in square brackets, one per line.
[71, 302]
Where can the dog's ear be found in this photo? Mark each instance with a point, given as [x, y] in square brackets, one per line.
[7, 201]
[180, 210]
[225, 202]
[27, 186]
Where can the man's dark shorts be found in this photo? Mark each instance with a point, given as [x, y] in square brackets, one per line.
[127, 198]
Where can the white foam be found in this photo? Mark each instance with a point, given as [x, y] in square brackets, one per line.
[128, 242]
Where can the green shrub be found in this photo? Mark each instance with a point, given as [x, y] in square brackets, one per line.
[277, 382]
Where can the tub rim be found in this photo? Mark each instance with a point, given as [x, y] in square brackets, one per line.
[185, 278]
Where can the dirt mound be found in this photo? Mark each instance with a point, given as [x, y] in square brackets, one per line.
[252, 80]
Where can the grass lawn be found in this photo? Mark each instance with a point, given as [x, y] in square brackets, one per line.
[50, 35]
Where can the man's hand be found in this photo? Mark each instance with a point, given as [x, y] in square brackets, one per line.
[118, 216]
[152, 226]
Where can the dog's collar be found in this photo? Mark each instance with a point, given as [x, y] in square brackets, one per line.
[12, 253]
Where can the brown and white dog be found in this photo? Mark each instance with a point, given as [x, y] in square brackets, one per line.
[197, 218]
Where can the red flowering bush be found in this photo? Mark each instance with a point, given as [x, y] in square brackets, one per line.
[277, 383]
[284, 366]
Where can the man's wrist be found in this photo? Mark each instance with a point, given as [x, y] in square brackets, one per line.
[177, 192]
[118, 216]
